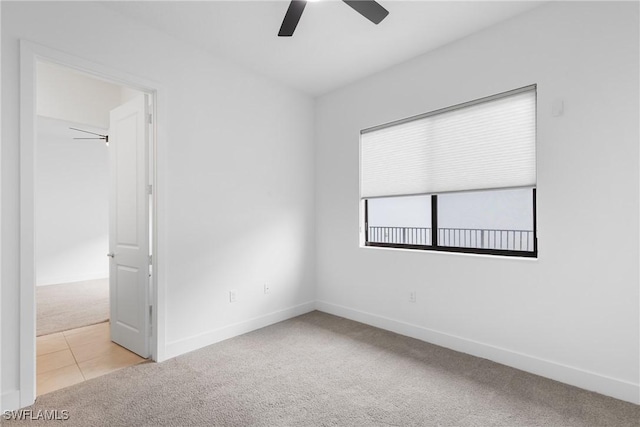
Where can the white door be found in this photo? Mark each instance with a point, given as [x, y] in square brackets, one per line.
[128, 228]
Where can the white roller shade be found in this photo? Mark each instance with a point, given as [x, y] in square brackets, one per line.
[482, 145]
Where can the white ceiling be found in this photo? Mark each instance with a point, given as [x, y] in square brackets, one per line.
[332, 46]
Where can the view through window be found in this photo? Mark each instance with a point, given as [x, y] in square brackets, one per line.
[497, 220]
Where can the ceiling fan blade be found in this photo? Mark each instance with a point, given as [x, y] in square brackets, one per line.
[370, 9]
[292, 18]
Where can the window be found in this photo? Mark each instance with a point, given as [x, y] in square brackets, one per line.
[461, 179]
[400, 220]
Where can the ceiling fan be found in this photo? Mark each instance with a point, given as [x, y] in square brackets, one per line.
[370, 9]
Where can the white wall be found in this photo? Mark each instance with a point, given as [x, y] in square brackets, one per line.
[572, 314]
[72, 196]
[70, 95]
[235, 155]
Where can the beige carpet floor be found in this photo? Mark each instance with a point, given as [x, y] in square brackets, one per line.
[71, 305]
[322, 370]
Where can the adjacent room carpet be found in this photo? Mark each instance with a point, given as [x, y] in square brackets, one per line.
[71, 305]
[322, 370]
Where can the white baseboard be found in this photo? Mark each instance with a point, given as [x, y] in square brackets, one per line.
[598, 383]
[592, 381]
[176, 348]
[11, 400]
[71, 278]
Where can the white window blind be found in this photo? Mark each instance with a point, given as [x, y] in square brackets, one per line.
[486, 144]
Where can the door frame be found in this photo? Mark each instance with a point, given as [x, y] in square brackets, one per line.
[30, 54]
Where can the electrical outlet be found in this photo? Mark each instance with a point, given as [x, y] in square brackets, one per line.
[232, 296]
[412, 296]
[267, 289]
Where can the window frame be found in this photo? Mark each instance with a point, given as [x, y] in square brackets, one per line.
[435, 247]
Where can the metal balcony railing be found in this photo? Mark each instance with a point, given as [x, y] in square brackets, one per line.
[400, 235]
[480, 238]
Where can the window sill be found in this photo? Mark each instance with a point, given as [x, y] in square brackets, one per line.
[450, 253]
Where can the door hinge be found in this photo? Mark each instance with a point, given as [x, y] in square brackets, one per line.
[150, 118]
[150, 320]
[150, 189]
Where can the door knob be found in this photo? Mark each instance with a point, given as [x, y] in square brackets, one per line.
[111, 255]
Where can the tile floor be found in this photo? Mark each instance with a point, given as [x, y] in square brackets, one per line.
[70, 357]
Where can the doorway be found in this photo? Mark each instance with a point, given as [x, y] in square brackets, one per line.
[74, 217]
[68, 249]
